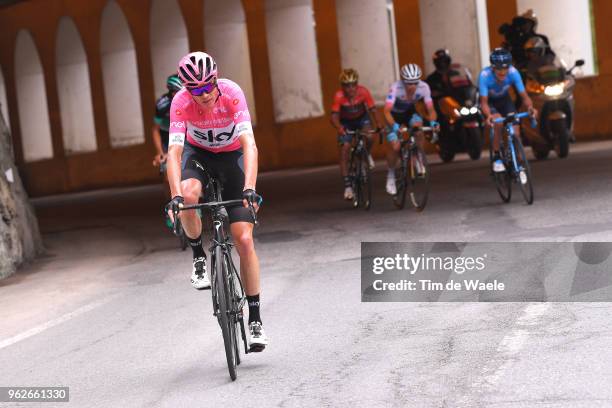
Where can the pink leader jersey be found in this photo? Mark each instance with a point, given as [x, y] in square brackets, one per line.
[216, 130]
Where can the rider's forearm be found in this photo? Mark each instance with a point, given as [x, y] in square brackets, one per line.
[335, 120]
[388, 116]
[484, 106]
[527, 103]
[174, 169]
[157, 139]
[249, 149]
[431, 111]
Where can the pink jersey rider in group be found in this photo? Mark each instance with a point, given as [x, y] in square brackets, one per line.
[217, 129]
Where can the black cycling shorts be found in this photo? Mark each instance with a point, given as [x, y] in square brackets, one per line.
[226, 167]
[503, 105]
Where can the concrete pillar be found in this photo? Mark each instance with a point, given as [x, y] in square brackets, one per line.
[367, 43]
[602, 10]
[225, 23]
[438, 31]
[567, 23]
[294, 65]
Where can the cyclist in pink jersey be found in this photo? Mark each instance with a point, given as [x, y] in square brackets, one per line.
[210, 127]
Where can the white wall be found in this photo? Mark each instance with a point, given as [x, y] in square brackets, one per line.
[74, 90]
[451, 24]
[225, 23]
[567, 23]
[169, 41]
[294, 64]
[366, 43]
[32, 100]
[4, 101]
[120, 76]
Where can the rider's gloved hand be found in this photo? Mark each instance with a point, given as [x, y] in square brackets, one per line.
[250, 197]
[341, 131]
[434, 124]
[395, 128]
[175, 203]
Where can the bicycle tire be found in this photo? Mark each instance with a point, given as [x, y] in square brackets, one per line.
[222, 288]
[502, 180]
[236, 316]
[399, 199]
[521, 160]
[418, 184]
[365, 181]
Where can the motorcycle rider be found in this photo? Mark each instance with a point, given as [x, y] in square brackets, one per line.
[522, 29]
[446, 76]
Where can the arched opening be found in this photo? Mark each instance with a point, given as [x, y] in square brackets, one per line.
[168, 41]
[32, 100]
[4, 100]
[294, 64]
[225, 23]
[365, 31]
[567, 23]
[74, 90]
[120, 77]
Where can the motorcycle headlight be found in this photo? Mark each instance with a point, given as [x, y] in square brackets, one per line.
[465, 111]
[554, 90]
[473, 110]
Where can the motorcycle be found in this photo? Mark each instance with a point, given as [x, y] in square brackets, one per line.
[460, 120]
[550, 87]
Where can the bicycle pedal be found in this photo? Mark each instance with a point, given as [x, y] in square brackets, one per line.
[256, 348]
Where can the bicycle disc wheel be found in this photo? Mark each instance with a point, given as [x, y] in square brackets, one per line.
[365, 183]
[418, 178]
[223, 296]
[399, 199]
[523, 172]
[502, 180]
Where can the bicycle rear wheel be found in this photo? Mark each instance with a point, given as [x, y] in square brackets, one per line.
[502, 180]
[522, 174]
[418, 178]
[224, 315]
[399, 199]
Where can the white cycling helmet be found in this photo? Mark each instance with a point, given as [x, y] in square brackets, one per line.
[410, 73]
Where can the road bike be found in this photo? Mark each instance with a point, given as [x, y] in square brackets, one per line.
[359, 168]
[413, 180]
[512, 154]
[228, 296]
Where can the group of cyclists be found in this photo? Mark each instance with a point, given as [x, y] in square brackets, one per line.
[203, 120]
[353, 107]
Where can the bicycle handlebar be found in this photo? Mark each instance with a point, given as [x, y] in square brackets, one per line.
[514, 118]
[217, 204]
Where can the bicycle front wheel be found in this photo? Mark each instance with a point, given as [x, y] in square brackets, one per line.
[522, 172]
[502, 180]
[365, 183]
[418, 178]
[399, 199]
[224, 315]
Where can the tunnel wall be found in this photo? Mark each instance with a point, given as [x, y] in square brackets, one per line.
[282, 143]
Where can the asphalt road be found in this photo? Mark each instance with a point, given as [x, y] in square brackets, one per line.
[109, 310]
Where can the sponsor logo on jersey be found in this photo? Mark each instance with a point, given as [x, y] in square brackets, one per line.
[236, 101]
[216, 137]
[241, 113]
[177, 124]
[178, 112]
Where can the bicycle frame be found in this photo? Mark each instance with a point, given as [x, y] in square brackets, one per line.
[509, 122]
